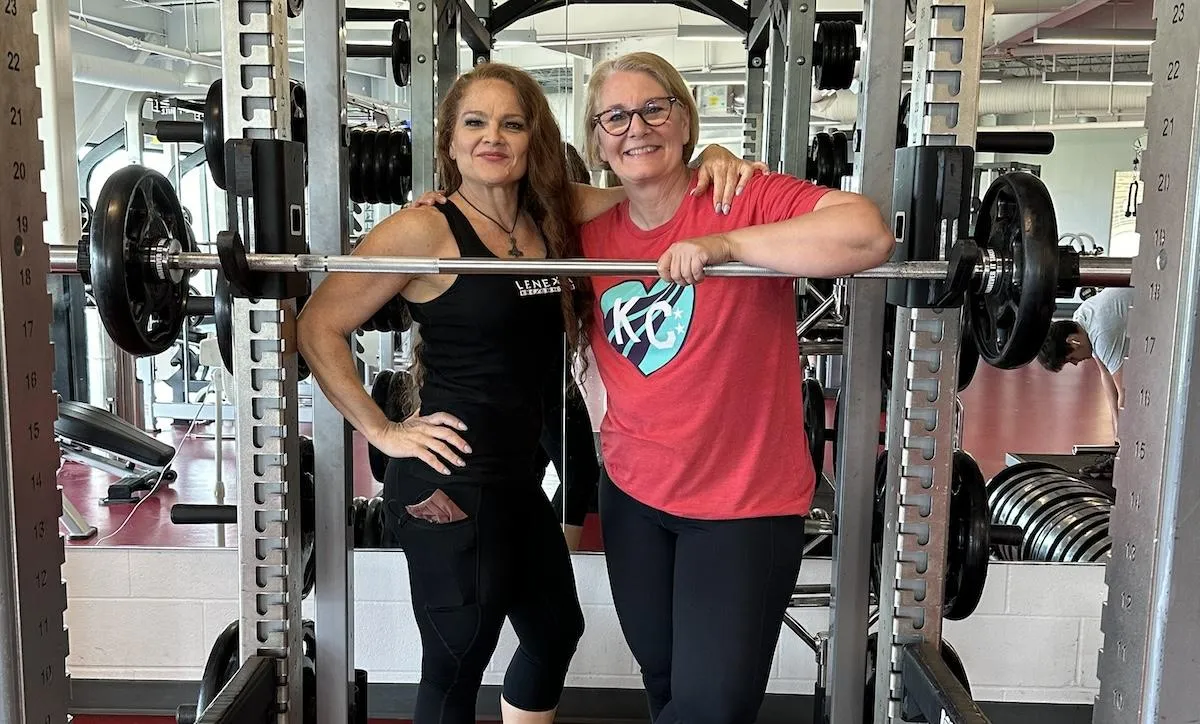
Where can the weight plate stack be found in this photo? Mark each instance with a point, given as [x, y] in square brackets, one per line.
[836, 51]
[380, 165]
[1064, 519]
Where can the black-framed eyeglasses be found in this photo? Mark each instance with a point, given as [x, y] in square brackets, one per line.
[616, 121]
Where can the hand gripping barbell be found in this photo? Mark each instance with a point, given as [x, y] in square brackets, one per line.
[1008, 276]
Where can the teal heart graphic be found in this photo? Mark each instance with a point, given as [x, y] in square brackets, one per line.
[648, 326]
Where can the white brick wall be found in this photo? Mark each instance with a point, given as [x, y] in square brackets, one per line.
[137, 613]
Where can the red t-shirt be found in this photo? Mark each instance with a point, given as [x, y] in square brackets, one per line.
[705, 416]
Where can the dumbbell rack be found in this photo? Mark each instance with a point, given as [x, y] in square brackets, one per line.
[34, 686]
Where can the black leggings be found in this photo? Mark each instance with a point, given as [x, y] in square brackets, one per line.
[507, 559]
[700, 603]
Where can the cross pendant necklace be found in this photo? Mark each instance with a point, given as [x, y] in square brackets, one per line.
[513, 251]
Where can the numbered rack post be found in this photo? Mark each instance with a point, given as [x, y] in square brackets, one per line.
[1151, 624]
[33, 597]
[921, 413]
[254, 35]
[858, 431]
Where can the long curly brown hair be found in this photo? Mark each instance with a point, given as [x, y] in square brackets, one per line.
[544, 191]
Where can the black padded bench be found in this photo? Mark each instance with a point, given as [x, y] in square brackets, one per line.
[97, 438]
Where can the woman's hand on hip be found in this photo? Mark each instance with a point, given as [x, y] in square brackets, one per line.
[432, 438]
[684, 262]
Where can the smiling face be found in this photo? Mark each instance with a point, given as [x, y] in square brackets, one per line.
[642, 129]
[490, 141]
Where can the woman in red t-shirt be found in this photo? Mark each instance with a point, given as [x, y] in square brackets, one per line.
[703, 437]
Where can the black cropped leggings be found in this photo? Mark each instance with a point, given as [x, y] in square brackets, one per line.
[700, 603]
[507, 559]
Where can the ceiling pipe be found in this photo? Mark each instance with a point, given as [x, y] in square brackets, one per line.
[1015, 96]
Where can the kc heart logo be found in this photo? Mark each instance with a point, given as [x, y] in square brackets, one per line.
[648, 326]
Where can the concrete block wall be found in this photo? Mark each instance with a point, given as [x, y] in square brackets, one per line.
[142, 613]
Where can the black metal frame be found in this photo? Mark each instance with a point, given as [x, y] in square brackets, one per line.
[248, 698]
[933, 691]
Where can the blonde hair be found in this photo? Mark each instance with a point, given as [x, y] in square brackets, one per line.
[657, 68]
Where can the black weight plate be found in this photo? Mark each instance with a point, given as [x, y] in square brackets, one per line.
[401, 53]
[214, 134]
[902, 120]
[822, 160]
[396, 170]
[1045, 517]
[814, 423]
[955, 664]
[379, 394]
[372, 523]
[223, 320]
[968, 357]
[359, 508]
[294, 8]
[841, 156]
[877, 515]
[383, 193]
[353, 164]
[969, 545]
[137, 209]
[308, 532]
[889, 346]
[406, 165]
[1002, 483]
[1017, 222]
[310, 639]
[1067, 528]
[370, 188]
[308, 456]
[222, 663]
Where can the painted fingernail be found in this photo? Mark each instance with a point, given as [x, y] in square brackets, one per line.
[726, 208]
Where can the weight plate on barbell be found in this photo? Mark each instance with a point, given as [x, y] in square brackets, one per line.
[136, 212]
[353, 163]
[1016, 221]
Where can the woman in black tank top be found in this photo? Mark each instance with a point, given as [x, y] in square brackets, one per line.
[462, 494]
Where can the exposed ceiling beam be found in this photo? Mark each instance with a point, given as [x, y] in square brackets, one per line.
[1066, 15]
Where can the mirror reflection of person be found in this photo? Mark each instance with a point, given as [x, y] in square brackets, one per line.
[1097, 330]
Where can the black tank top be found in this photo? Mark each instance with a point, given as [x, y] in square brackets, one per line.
[491, 349]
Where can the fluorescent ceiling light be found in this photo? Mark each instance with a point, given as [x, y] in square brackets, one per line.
[710, 32]
[1093, 36]
[1071, 77]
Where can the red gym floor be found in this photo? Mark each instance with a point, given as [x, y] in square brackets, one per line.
[1025, 410]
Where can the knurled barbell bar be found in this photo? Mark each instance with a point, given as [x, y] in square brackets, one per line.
[399, 52]
[1008, 275]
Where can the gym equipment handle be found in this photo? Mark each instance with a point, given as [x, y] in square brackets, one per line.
[1093, 271]
[201, 306]
[198, 514]
[1006, 535]
[179, 131]
[1031, 142]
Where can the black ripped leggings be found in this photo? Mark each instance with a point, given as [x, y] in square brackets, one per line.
[700, 603]
[508, 559]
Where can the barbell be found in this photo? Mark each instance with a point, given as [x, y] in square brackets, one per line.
[139, 249]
